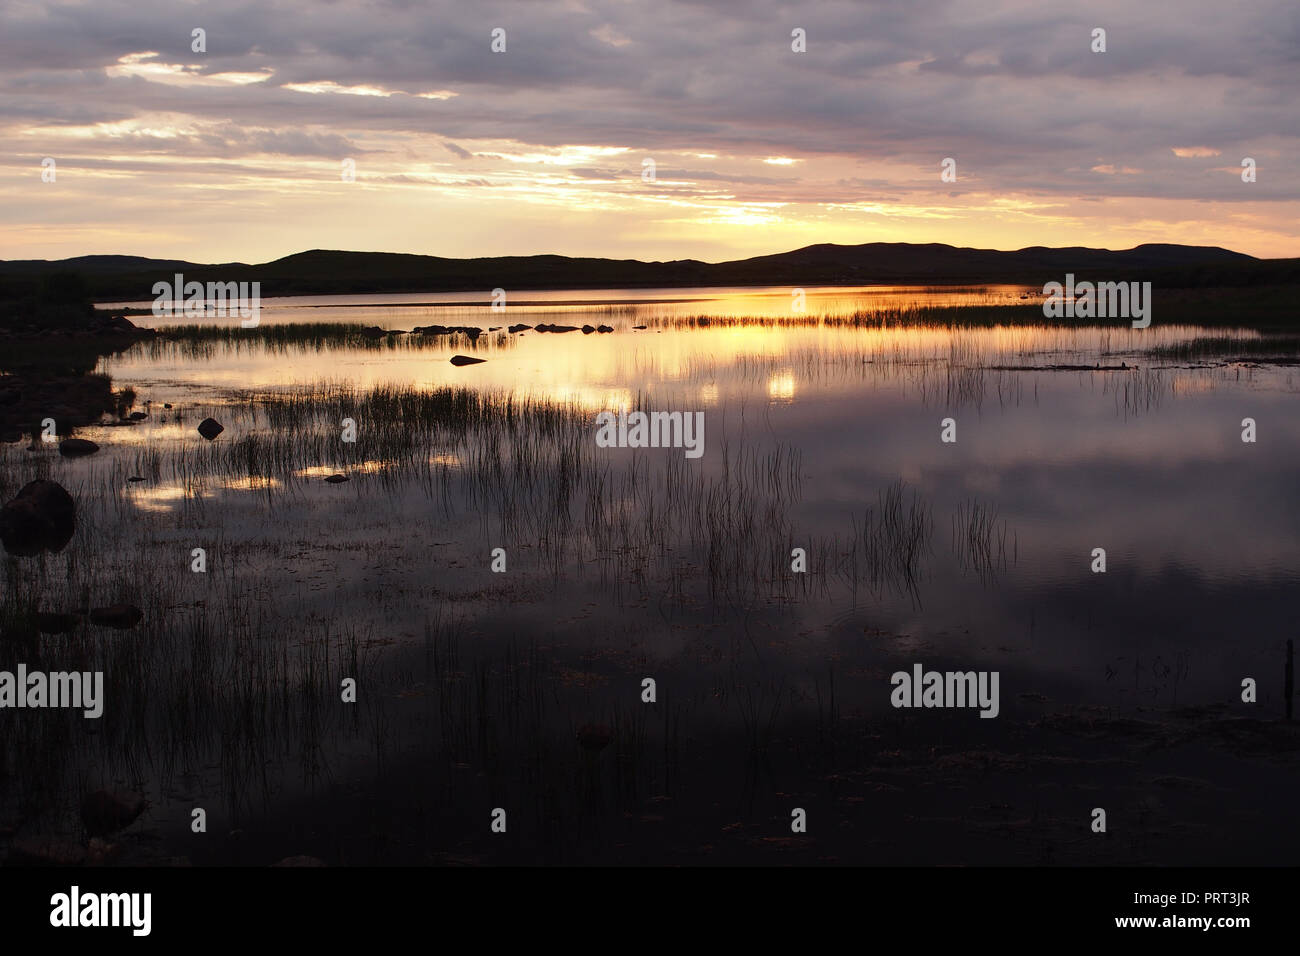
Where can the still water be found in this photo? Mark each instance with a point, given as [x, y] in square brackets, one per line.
[974, 553]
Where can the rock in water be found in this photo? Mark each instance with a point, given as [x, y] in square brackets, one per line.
[103, 813]
[41, 517]
[119, 616]
[51, 623]
[594, 738]
[466, 360]
[77, 447]
[210, 428]
[337, 479]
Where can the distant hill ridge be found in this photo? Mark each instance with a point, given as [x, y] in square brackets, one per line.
[321, 271]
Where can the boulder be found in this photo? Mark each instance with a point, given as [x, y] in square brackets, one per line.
[210, 428]
[41, 517]
[519, 328]
[122, 617]
[604, 328]
[77, 447]
[337, 479]
[103, 812]
[466, 360]
[588, 329]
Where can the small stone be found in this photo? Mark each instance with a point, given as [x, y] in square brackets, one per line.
[210, 428]
[121, 617]
[77, 447]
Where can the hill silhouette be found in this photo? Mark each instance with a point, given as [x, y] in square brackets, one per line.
[321, 271]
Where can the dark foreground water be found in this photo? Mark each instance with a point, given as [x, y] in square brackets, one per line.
[523, 690]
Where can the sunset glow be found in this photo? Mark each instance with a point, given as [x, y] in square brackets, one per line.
[234, 153]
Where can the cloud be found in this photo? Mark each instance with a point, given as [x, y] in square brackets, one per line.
[1010, 89]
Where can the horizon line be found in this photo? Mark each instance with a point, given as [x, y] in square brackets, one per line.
[561, 255]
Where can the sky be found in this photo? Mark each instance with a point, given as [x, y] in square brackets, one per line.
[643, 129]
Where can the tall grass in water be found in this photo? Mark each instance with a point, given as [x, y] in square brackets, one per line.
[979, 539]
[891, 542]
[880, 318]
[202, 342]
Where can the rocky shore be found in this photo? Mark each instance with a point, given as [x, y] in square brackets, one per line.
[47, 373]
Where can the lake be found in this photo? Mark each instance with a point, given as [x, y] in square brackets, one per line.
[873, 494]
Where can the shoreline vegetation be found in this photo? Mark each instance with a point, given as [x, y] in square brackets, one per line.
[54, 337]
